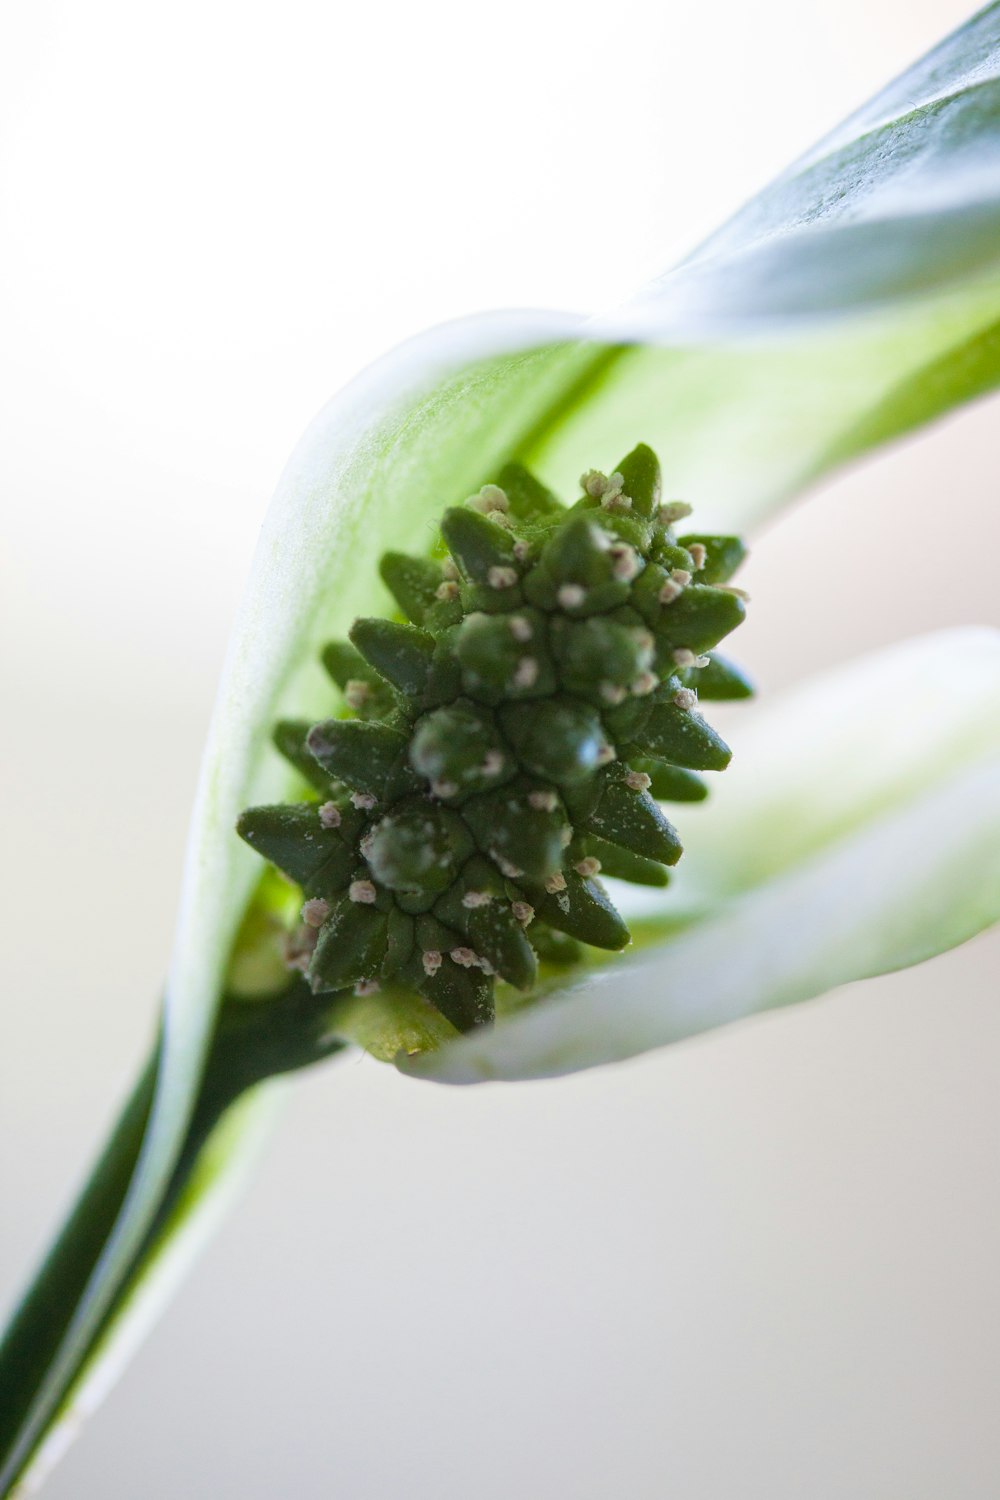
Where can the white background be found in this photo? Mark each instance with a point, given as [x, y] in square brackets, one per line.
[760, 1265]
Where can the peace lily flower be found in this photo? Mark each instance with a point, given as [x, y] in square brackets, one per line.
[859, 830]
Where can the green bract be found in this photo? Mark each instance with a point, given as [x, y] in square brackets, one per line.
[511, 739]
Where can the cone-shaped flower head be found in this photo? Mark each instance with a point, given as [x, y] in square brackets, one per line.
[509, 741]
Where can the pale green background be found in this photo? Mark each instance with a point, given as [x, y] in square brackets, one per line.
[762, 1265]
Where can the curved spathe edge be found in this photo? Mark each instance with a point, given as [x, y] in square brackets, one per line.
[909, 867]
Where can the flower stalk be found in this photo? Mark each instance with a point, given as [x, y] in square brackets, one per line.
[254, 1040]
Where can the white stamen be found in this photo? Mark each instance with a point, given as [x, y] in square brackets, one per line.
[363, 801]
[605, 754]
[625, 563]
[501, 578]
[543, 801]
[638, 781]
[674, 510]
[594, 483]
[466, 958]
[473, 899]
[526, 673]
[669, 592]
[556, 882]
[571, 595]
[362, 891]
[522, 912]
[315, 912]
[432, 961]
[699, 555]
[493, 763]
[490, 498]
[588, 867]
[681, 576]
[520, 628]
[329, 815]
[522, 550]
[357, 693]
[446, 590]
[685, 699]
[644, 684]
[613, 499]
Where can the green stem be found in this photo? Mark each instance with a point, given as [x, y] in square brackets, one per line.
[38, 1325]
[253, 1041]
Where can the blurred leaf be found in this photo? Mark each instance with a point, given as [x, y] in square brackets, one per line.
[859, 831]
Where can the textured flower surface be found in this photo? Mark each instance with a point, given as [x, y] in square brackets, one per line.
[855, 299]
[514, 737]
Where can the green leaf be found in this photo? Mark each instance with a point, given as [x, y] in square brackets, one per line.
[224, 1166]
[858, 832]
[857, 297]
